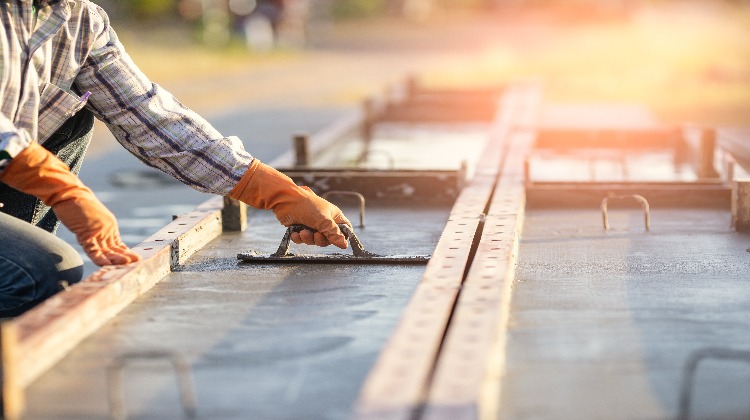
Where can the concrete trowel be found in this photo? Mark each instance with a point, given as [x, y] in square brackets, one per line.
[358, 256]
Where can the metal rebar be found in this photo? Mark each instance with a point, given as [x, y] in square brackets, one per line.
[359, 197]
[642, 200]
[691, 366]
[115, 374]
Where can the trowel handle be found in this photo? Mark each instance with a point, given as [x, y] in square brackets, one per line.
[357, 248]
[345, 229]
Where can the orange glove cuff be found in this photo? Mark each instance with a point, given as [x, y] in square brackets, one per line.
[242, 191]
[36, 171]
[266, 188]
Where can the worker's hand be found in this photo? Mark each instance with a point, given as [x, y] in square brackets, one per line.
[266, 188]
[95, 228]
[38, 172]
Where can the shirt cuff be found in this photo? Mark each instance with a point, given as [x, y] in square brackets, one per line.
[11, 144]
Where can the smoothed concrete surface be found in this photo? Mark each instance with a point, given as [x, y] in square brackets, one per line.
[602, 323]
[264, 341]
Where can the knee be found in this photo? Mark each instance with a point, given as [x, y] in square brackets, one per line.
[33, 263]
[27, 281]
[66, 263]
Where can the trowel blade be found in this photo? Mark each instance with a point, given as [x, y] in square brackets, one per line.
[254, 257]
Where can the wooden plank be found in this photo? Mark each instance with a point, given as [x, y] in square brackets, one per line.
[741, 205]
[593, 116]
[466, 382]
[619, 138]
[12, 401]
[439, 186]
[399, 382]
[194, 229]
[476, 331]
[36, 340]
[736, 141]
[686, 194]
[430, 112]
[395, 386]
[432, 104]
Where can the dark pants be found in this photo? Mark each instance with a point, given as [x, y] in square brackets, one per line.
[33, 261]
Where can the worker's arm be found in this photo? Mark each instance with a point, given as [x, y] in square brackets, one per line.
[38, 172]
[149, 122]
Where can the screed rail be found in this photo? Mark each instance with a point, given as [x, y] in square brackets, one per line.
[422, 372]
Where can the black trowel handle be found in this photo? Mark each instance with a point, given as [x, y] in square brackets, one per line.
[357, 248]
[345, 229]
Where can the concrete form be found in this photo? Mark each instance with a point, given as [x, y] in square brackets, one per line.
[613, 321]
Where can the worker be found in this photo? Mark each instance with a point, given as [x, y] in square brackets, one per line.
[62, 66]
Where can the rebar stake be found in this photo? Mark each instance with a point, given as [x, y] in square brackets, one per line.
[359, 197]
[115, 381]
[691, 366]
[642, 200]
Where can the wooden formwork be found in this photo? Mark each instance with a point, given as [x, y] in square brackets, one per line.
[700, 178]
[735, 160]
[444, 359]
[420, 104]
[735, 144]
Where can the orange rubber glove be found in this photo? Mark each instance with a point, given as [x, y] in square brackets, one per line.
[266, 188]
[38, 172]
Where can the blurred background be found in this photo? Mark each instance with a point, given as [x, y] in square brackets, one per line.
[264, 70]
[687, 59]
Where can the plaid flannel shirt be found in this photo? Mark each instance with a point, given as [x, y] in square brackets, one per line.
[66, 56]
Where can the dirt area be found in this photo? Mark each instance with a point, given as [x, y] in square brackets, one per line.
[688, 61]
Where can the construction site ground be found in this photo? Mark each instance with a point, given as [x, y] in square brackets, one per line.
[273, 342]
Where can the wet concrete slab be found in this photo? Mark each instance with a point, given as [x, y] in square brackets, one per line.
[602, 323]
[263, 341]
